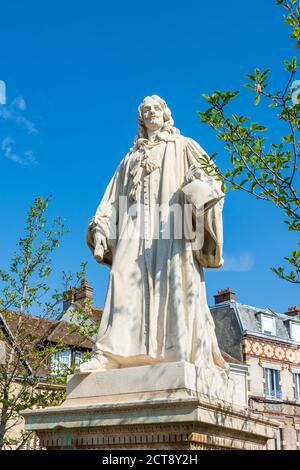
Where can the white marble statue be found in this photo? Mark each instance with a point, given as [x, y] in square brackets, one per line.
[156, 308]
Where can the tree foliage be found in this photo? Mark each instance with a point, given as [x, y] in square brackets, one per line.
[264, 167]
[26, 378]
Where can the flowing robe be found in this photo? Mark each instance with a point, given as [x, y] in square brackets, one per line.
[156, 308]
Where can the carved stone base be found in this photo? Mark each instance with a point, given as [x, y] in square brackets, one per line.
[162, 414]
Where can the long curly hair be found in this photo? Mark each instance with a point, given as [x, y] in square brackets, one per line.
[168, 120]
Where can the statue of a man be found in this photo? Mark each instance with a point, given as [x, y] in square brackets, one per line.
[156, 308]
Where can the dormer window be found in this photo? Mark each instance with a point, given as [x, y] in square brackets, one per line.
[268, 325]
[295, 331]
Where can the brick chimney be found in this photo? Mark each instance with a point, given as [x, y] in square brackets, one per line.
[84, 292]
[293, 312]
[78, 294]
[69, 298]
[224, 295]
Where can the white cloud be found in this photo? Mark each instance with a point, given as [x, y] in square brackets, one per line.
[14, 112]
[6, 146]
[19, 103]
[240, 263]
[5, 112]
[29, 126]
[8, 151]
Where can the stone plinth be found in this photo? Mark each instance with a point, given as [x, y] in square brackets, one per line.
[167, 380]
[165, 411]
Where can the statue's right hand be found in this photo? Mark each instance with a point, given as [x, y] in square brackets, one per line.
[194, 172]
[99, 253]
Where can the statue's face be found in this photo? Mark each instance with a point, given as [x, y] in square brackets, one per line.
[153, 115]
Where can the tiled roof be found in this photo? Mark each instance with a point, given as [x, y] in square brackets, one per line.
[29, 332]
[64, 331]
[43, 329]
[249, 319]
[21, 324]
[251, 322]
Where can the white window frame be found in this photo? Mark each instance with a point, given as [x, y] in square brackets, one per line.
[2, 352]
[297, 386]
[60, 361]
[265, 331]
[272, 380]
[77, 358]
[295, 327]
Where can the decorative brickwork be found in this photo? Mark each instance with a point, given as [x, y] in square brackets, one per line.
[269, 350]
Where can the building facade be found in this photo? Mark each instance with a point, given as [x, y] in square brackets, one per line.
[269, 344]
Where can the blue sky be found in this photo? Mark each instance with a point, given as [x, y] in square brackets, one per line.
[75, 73]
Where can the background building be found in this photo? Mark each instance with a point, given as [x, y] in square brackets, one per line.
[269, 344]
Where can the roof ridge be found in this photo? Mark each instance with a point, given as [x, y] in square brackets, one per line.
[258, 309]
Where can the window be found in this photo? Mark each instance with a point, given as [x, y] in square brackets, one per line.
[272, 386]
[297, 386]
[77, 358]
[268, 325]
[61, 362]
[2, 352]
[295, 331]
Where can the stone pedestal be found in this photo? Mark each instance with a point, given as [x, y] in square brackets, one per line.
[150, 407]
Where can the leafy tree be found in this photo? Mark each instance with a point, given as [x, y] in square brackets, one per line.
[265, 168]
[26, 380]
